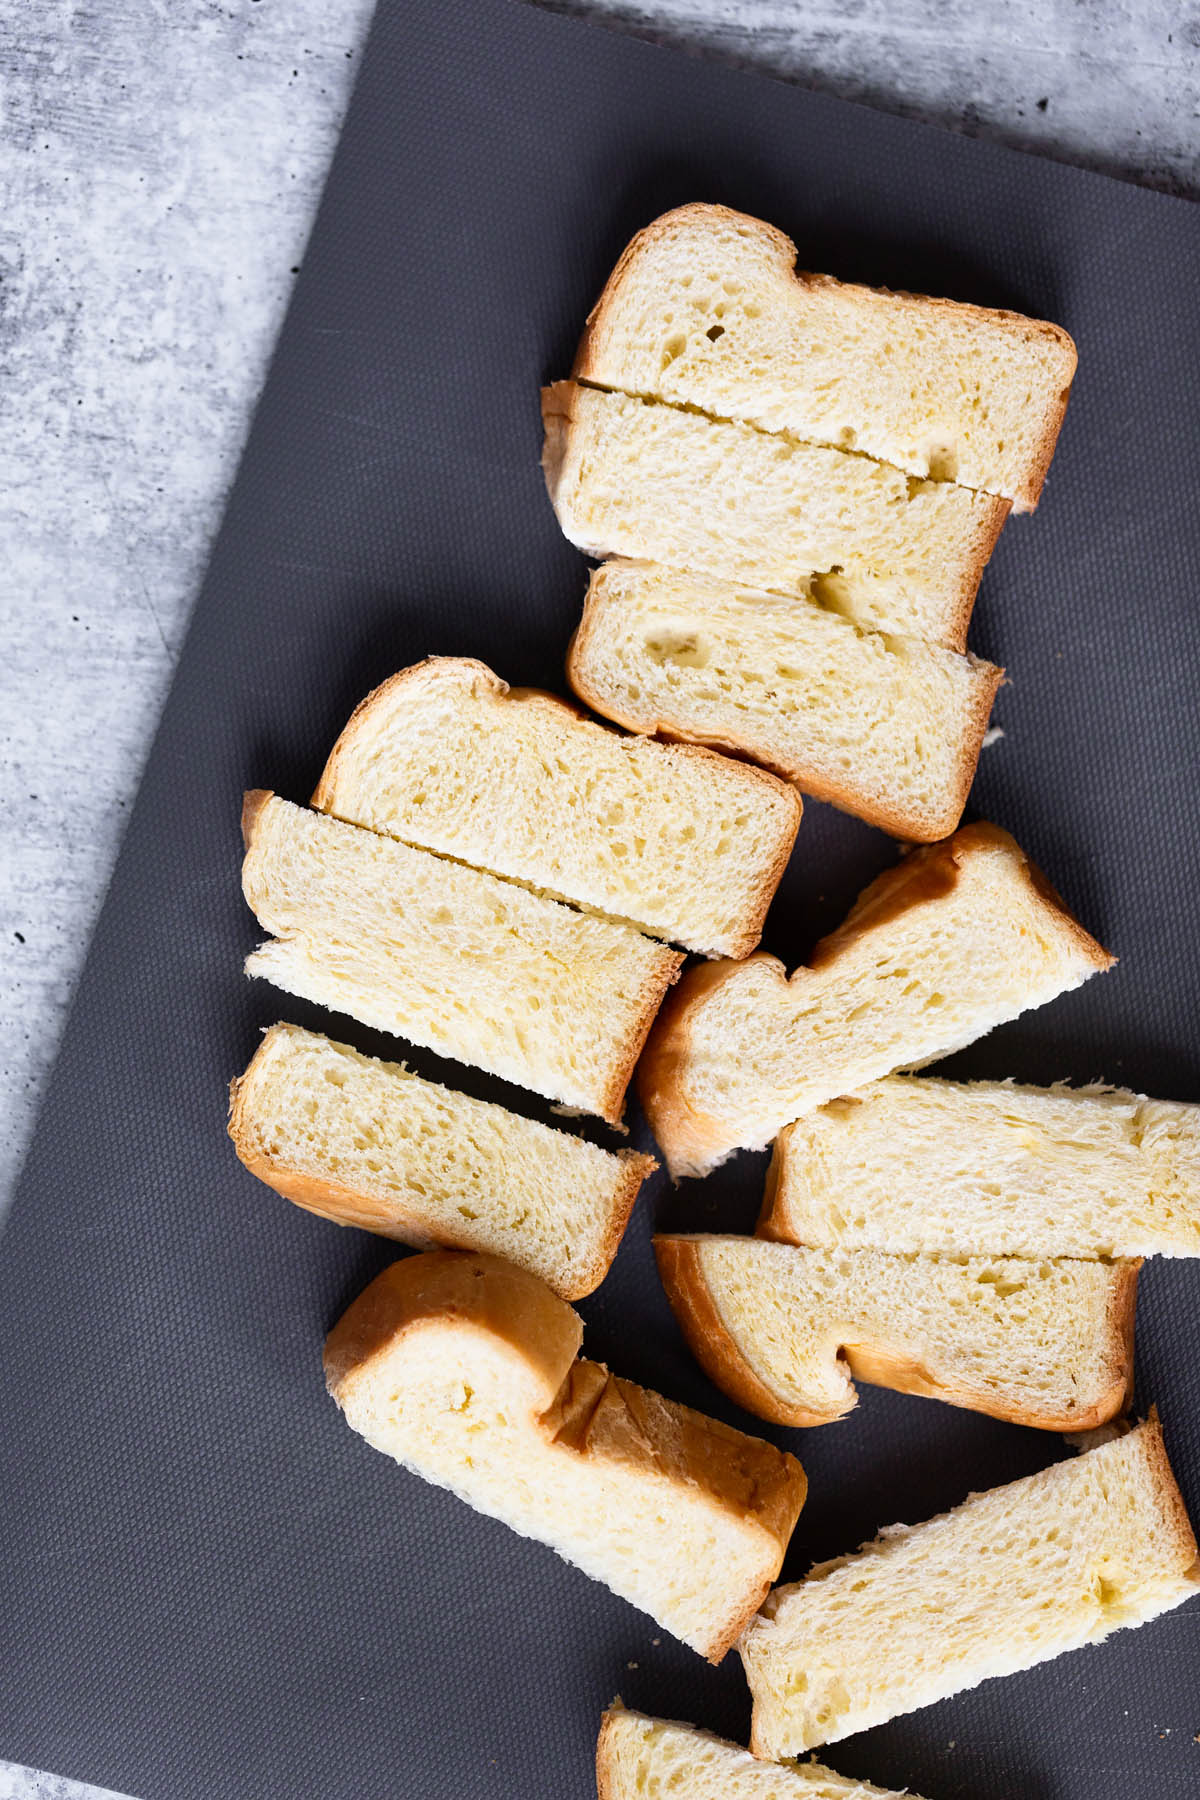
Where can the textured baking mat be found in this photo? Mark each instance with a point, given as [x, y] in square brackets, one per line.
[208, 1585]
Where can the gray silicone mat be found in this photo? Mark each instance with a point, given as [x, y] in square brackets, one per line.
[208, 1586]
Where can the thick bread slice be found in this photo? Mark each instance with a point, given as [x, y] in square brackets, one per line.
[463, 1368]
[638, 1758]
[673, 839]
[1008, 1579]
[631, 477]
[888, 728]
[369, 1143]
[954, 940]
[914, 1163]
[466, 964]
[783, 1330]
[705, 309]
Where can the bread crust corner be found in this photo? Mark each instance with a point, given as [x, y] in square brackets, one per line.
[713, 1344]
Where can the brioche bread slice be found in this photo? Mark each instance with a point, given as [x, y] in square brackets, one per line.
[461, 962]
[631, 477]
[955, 939]
[1008, 1579]
[888, 728]
[786, 1332]
[639, 1758]
[368, 1143]
[678, 841]
[913, 1163]
[464, 1369]
[705, 308]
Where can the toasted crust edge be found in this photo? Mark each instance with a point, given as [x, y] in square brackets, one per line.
[1028, 491]
[843, 794]
[342, 1204]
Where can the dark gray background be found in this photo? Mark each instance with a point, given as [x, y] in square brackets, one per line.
[209, 1586]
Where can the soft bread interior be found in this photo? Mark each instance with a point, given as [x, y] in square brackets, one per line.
[468, 965]
[634, 478]
[888, 728]
[704, 309]
[919, 1164]
[958, 938]
[687, 845]
[462, 1368]
[368, 1143]
[1008, 1579]
[638, 1758]
[782, 1330]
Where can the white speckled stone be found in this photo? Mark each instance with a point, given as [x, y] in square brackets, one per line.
[161, 164]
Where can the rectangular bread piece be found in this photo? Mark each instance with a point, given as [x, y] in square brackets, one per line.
[706, 308]
[913, 1163]
[368, 1143]
[957, 938]
[787, 1331]
[1008, 1579]
[464, 1369]
[888, 728]
[639, 1758]
[631, 477]
[466, 964]
[676, 840]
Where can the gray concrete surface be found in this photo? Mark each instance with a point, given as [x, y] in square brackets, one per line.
[161, 164]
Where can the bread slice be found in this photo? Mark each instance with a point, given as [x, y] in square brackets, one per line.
[464, 1369]
[631, 477]
[705, 309]
[1008, 1579]
[954, 940]
[912, 1163]
[673, 839]
[785, 1332]
[638, 1758]
[369, 1143]
[888, 728]
[461, 962]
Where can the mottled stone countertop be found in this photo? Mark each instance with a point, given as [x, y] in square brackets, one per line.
[161, 167]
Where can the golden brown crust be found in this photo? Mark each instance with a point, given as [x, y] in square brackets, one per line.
[342, 1204]
[254, 803]
[457, 1285]
[556, 425]
[625, 1057]
[851, 798]
[586, 1410]
[921, 305]
[713, 1344]
[1170, 1499]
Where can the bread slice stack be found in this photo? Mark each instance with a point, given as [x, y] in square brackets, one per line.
[1008, 1579]
[368, 1143]
[807, 478]
[465, 1370]
[639, 1758]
